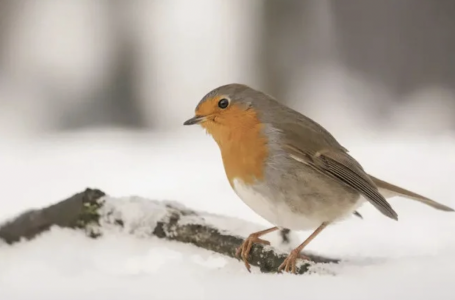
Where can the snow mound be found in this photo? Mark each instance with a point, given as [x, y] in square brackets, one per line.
[382, 259]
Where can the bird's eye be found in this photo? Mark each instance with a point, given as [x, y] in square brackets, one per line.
[223, 103]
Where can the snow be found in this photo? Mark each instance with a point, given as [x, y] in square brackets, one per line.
[382, 259]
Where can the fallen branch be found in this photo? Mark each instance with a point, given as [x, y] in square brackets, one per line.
[95, 213]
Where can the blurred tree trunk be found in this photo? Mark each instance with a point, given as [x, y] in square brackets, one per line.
[115, 103]
[282, 44]
[405, 44]
[5, 12]
[297, 37]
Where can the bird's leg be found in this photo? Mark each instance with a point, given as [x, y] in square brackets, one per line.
[245, 248]
[289, 263]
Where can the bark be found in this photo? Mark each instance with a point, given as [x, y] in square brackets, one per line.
[94, 212]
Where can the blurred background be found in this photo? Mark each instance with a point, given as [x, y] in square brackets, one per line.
[141, 66]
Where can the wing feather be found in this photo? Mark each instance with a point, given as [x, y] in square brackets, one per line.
[345, 171]
[339, 165]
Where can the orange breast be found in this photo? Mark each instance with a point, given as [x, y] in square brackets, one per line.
[243, 147]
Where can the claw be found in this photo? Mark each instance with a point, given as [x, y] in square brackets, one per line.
[244, 250]
[289, 264]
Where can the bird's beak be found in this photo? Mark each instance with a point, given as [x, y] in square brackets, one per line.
[194, 120]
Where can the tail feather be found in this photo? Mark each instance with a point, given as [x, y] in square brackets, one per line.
[389, 190]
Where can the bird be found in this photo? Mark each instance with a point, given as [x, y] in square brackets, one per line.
[288, 168]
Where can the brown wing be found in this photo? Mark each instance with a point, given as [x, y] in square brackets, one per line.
[341, 166]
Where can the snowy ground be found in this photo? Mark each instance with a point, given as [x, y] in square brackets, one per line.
[414, 257]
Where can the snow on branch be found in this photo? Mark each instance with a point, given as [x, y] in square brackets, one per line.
[95, 212]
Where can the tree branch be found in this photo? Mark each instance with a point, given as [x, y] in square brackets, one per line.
[94, 212]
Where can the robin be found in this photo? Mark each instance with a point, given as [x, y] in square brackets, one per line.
[287, 168]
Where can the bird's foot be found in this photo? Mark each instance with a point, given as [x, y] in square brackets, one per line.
[289, 264]
[244, 250]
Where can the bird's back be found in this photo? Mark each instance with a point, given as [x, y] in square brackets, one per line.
[318, 156]
[284, 118]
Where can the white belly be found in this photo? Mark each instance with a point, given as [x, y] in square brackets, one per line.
[275, 211]
[279, 213]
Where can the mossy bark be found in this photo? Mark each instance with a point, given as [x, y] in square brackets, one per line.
[74, 212]
[82, 211]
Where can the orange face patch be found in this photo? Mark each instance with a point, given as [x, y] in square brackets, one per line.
[237, 132]
[209, 106]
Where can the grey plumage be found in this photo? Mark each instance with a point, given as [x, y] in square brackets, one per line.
[326, 177]
[288, 168]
